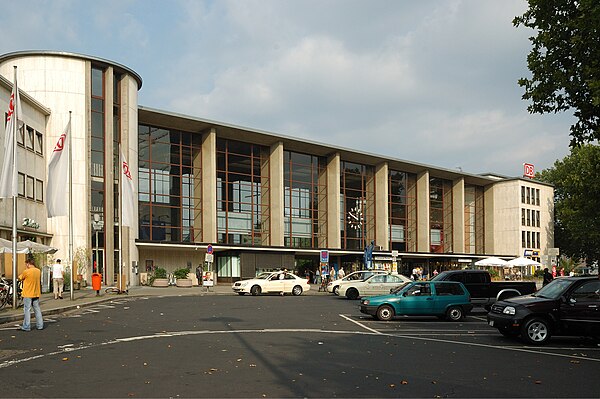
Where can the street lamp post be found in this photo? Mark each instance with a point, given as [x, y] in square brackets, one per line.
[97, 225]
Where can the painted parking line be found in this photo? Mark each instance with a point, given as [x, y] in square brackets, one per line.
[524, 349]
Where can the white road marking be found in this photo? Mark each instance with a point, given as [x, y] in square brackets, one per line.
[360, 325]
[507, 348]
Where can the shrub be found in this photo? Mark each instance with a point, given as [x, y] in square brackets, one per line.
[158, 273]
[181, 273]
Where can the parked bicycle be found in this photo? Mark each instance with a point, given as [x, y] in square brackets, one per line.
[6, 292]
[116, 290]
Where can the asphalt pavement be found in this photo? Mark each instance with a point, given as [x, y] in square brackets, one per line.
[86, 296]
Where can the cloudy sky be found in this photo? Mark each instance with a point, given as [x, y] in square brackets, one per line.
[430, 81]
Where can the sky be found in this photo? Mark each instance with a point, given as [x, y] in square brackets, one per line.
[428, 81]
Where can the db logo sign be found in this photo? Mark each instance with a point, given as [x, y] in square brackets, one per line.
[528, 170]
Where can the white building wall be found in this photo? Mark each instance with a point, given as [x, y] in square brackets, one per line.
[59, 83]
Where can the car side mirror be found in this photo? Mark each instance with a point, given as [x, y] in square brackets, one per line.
[572, 300]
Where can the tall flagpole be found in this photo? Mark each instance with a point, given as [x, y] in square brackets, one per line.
[15, 117]
[120, 220]
[70, 142]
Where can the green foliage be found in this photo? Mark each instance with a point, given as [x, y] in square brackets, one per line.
[576, 180]
[565, 62]
[538, 273]
[181, 273]
[159, 272]
[494, 272]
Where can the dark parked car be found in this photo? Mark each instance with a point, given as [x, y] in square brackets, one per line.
[483, 290]
[566, 306]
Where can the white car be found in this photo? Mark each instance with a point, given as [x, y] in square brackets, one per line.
[334, 286]
[378, 284]
[272, 282]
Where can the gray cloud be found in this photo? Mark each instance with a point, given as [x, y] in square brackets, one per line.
[431, 81]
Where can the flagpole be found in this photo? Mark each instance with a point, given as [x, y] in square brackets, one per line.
[120, 220]
[70, 143]
[15, 117]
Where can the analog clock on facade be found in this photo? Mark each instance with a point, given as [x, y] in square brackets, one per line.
[355, 217]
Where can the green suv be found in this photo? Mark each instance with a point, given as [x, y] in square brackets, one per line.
[444, 299]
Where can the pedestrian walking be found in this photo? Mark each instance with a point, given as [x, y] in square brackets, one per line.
[341, 273]
[31, 278]
[547, 277]
[199, 274]
[58, 281]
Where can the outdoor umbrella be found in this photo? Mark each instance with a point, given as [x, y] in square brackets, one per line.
[35, 247]
[6, 246]
[491, 261]
[522, 262]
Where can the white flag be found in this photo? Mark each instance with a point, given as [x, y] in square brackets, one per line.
[127, 195]
[8, 178]
[57, 202]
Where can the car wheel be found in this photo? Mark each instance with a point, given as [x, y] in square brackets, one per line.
[336, 290]
[536, 331]
[385, 313]
[297, 290]
[352, 293]
[454, 313]
[255, 290]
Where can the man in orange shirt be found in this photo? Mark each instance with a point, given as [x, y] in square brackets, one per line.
[31, 278]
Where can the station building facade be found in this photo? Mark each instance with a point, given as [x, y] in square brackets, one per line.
[261, 200]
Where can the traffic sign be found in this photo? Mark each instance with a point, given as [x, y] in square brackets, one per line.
[209, 249]
[324, 256]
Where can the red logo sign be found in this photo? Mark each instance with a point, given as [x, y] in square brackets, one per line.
[528, 170]
[60, 144]
[126, 171]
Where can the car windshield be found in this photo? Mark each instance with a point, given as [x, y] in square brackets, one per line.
[263, 276]
[554, 289]
[399, 288]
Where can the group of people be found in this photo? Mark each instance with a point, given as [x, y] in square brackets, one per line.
[325, 273]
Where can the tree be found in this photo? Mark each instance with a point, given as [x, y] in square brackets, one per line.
[565, 62]
[576, 180]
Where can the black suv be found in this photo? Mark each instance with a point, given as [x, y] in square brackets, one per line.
[566, 306]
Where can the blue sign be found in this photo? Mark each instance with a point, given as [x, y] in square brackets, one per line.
[324, 256]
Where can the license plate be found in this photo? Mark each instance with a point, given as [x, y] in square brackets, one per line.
[491, 323]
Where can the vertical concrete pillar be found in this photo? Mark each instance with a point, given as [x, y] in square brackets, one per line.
[458, 215]
[382, 212]
[334, 239]
[109, 177]
[489, 222]
[423, 234]
[277, 191]
[209, 186]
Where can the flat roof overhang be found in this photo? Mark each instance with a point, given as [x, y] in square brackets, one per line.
[170, 120]
[310, 252]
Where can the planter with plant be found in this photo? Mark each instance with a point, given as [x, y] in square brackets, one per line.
[159, 278]
[181, 278]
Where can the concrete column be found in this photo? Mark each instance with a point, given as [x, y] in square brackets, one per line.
[109, 177]
[489, 222]
[382, 211]
[334, 239]
[423, 234]
[458, 215]
[277, 189]
[209, 186]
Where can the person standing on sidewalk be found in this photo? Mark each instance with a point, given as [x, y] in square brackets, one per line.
[31, 278]
[58, 281]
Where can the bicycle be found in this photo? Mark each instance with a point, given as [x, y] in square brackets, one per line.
[116, 290]
[6, 292]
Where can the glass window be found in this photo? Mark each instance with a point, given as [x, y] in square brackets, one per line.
[528, 195]
[440, 215]
[523, 217]
[402, 210]
[97, 82]
[30, 189]
[522, 194]
[537, 196]
[21, 184]
[30, 138]
[39, 143]
[589, 291]
[39, 190]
